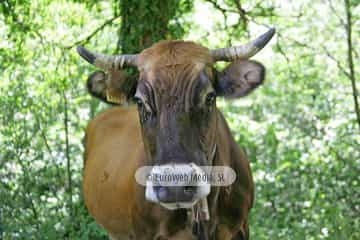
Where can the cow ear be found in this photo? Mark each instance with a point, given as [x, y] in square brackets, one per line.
[113, 87]
[239, 78]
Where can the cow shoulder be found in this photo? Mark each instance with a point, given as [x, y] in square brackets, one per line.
[120, 124]
[113, 146]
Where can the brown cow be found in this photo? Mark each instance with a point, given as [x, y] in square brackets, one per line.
[176, 124]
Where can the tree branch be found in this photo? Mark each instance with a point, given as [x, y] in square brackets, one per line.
[336, 14]
[348, 29]
[223, 12]
[48, 148]
[218, 7]
[241, 12]
[92, 34]
[338, 64]
[287, 59]
[67, 153]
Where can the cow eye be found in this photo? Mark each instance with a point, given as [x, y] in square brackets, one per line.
[144, 114]
[210, 98]
[138, 102]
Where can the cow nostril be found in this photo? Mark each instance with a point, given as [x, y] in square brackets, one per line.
[190, 190]
[161, 192]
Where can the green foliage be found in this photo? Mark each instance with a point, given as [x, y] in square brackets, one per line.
[299, 129]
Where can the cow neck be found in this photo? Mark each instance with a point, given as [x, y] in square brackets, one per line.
[200, 211]
[214, 149]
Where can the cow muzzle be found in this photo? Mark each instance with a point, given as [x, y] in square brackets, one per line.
[177, 185]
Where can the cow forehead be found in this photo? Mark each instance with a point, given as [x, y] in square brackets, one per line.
[167, 53]
[171, 63]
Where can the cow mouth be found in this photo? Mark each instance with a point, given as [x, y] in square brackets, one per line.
[178, 205]
[176, 194]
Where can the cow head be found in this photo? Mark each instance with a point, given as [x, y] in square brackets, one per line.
[176, 92]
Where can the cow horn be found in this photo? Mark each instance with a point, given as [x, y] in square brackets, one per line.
[244, 51]
[107, 62]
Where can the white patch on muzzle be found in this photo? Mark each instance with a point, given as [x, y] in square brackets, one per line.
[177, 170]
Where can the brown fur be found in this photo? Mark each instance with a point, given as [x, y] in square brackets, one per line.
[167, 54]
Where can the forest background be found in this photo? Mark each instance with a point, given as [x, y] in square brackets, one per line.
[300, 129]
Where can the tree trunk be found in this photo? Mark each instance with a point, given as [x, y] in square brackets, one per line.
[144, 23]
